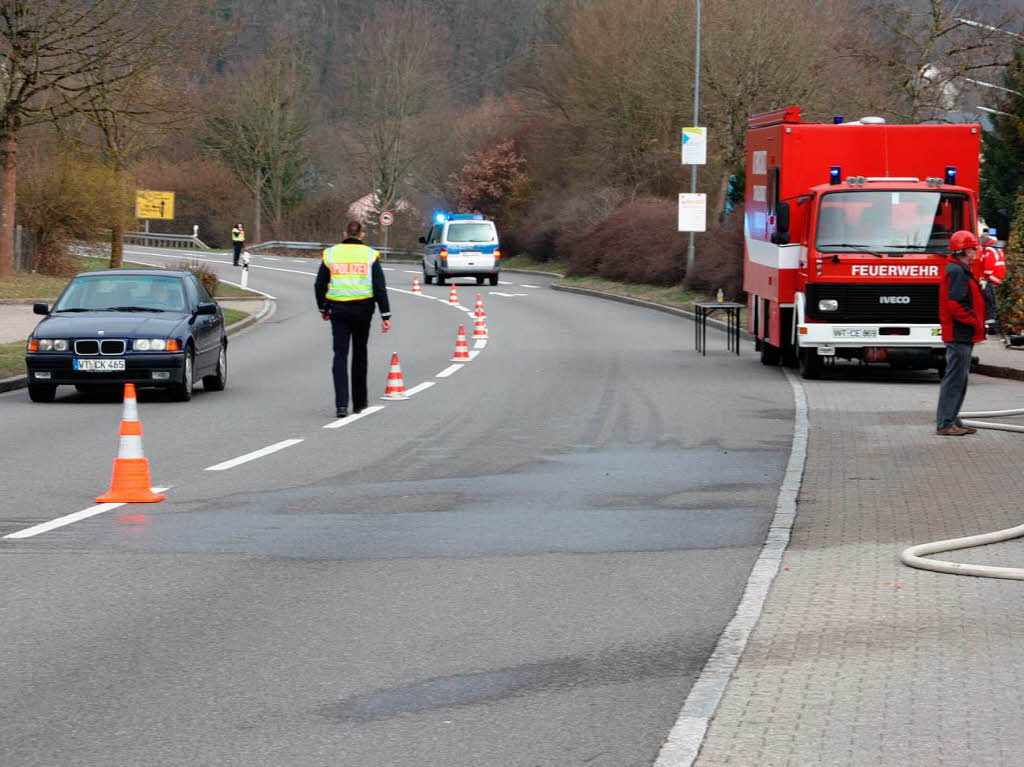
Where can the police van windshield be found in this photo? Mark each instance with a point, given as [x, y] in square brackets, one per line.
[474, 231]
[890, 222]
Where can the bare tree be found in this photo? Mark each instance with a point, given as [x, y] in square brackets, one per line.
[396, 73]
[931, 51]
[55, 52]
[259, 131]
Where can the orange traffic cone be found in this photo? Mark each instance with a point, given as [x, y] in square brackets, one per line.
[453, 296]
[479, 328]
[461, 347]
[129, 482]
[396, 386]
[416, 285]
[479, 311]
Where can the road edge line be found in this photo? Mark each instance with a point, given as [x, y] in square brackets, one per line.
[686, 738]
[69, 519]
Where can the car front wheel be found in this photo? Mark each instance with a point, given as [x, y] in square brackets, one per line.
[218, 380]
[183, 392]
[41, 392]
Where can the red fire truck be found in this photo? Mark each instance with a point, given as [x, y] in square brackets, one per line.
[846, 233]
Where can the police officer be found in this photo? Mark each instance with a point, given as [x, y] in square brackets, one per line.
[961, 312]
[350, 281]
[237, 239]
[993, 272]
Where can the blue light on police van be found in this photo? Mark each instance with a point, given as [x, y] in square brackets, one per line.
[835, 175]
[951, 175]
[439, 218]
[837, 120]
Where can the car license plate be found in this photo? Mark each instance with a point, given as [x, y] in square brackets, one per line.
[99, 366]
[855, 332]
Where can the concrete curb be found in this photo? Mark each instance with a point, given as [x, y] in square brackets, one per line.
[265, 313]
[646, 304]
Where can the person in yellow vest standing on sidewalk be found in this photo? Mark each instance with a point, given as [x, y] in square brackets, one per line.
[348, 285]
[238, 239]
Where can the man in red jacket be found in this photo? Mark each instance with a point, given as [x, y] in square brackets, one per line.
[962, 314]
[993, 272]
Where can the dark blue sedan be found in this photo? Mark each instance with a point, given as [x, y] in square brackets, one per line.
[150, 327]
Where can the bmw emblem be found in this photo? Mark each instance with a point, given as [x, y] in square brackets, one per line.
[100, 332]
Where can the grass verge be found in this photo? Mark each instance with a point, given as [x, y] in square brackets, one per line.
[12, 359]
[231, 316]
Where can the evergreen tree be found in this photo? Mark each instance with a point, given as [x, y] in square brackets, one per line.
[1002, 171]
[1011, 294]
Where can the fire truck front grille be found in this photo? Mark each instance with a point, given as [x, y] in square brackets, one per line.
[913, 303]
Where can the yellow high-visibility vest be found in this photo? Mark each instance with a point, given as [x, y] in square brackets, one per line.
[238, 235]
[351, 268]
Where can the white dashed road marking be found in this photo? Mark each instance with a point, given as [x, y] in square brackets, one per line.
[353, 418]
[449, 370]
[418, 388]
[253, 455]
[53, 524]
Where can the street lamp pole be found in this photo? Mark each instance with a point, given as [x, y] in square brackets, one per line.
[696, 117]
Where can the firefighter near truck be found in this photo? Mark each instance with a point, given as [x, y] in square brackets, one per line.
[846, 237]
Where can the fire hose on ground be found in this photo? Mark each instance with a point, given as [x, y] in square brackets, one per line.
[914, 556]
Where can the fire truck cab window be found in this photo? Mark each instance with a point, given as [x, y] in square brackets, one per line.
[884, 221]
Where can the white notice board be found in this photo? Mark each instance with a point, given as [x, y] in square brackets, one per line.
[695, 146]
[693, 210]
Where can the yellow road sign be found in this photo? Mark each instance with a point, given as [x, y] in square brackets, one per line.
[150, 204]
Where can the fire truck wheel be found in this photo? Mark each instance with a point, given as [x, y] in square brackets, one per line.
[769, 354]
[810, 364]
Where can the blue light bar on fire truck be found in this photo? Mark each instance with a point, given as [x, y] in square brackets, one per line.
[835, 175]
[951, 175]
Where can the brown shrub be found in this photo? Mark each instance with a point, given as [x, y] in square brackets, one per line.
[205, 274]
[639, 242]
[560, 220]
[718, 257]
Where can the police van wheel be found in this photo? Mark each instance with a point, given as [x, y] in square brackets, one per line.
[494, 280]
[440, 278]
[428, 279]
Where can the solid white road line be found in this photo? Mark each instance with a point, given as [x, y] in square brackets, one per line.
[253, 455]
[228, 263]
[450, 370]
[472, 355]
[353, 418]
[524, 285]
[418, 388]
[388, 268]
[270, 258]
[480, 344]
[412, 271]
[53, 524]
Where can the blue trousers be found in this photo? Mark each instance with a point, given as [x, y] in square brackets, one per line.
[953, 388]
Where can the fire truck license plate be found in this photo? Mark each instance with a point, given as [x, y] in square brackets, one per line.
[855, 332]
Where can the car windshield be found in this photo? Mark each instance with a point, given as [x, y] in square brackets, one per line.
[477, 231]
[890, 222]
[123, 292]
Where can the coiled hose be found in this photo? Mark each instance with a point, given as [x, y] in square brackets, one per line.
[914, 556]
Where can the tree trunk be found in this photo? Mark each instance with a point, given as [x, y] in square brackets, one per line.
[723, 192]
[257, 211]
[117, 226]
[8, 176]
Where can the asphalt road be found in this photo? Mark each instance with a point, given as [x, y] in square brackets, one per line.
[526, 563]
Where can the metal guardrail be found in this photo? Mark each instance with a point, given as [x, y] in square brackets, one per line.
[286, 245]
[158, 240]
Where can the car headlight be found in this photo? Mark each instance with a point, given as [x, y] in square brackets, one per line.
[828, 305]
[50, 345]
[156, 345]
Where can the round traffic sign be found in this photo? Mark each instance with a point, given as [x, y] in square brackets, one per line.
[386, 218]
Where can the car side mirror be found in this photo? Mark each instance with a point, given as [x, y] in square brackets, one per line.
[210, 308]
[423, 240]
[782, 217]
[40, 309]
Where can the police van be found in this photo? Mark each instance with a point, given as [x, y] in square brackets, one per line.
[461, 245]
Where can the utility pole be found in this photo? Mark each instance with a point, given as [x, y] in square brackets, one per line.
[696, 115]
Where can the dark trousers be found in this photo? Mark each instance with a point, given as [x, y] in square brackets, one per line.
[238, 251]
[350, 324]
[953, 388]
[991, 305]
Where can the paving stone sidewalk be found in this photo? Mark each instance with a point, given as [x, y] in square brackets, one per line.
[859, 660]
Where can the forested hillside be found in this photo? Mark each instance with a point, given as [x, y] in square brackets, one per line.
[559, 118]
